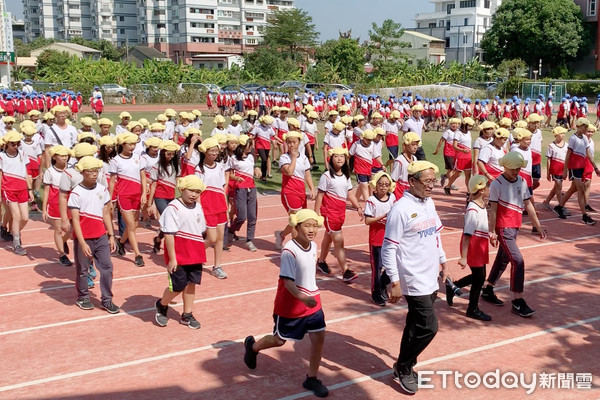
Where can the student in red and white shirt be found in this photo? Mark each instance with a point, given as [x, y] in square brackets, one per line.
[128, 181]
[534, 123]
[50, 209]
[488, 161]
[190, 155]
[555, 164]
[215, 175]
[90, 208]
[295, 172]
[297, 309]
[392, 126]
[376, 210]
[449, 153]
[486, 136]
[579, 154]
[183, 225]
[509, 196]
[263, 133]
[243, 172]
[522, 144]
[474, 246]
[15, 187]
[363, 152]
[310, 129]
[335, 188]
[410, 145]
[32, 147]
[163, 178]
[461, 142]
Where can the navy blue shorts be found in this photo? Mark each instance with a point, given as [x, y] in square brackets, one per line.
[295, 328]
[576, 173]
[556, 177]
[448, 162]
[536, 171]
[184, 275]
[363, 178]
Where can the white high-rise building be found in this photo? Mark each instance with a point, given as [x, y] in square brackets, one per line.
[461, 23]
[181, 29]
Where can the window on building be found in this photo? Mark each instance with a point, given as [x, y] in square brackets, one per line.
[465, 39]
[252, 41]
[201, 25]
[176, 28]
[194, 10]
[466, 21]
[73, 6]
[106, 31]
[486, 22]
[591, 8]
[202, 39]
[158, 12]
[34, 10]
[122, 31]
[432, 24]
[121, 18]
[447, 42]
[74, 19]
[161, 26]
[441, 23]
[486, 3]
[220, 65]
[449, 8]
[468, 3]
[447, 24]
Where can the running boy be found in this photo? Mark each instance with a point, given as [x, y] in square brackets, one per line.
[297, 308]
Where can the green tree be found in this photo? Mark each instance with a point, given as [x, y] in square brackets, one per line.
[384, 44]
[343, 56]
[51, 61]
[551, 30]
[290, 32]
[265, 65]
[109, 51]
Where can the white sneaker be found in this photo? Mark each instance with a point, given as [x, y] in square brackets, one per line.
[218, 273]
[250, 246]
[278, 240]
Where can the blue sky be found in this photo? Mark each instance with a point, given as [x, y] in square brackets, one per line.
[330, 16]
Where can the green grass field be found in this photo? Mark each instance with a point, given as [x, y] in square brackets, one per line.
[430, 140]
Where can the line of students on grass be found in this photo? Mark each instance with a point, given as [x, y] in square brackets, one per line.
[137, 171]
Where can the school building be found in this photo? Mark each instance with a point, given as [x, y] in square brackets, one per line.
[183, 30]
[460, 23]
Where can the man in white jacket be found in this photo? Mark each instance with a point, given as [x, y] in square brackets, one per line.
[412, 254]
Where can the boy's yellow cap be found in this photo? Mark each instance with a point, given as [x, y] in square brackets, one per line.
[190, 182]
[304, 215]
[88, 162]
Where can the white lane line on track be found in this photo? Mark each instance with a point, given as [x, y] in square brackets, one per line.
[451, 356]
[63, 323]
[303, 394]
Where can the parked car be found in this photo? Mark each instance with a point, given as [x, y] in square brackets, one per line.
[231, 88]
[341, 89]
[289, 85]
[146, 91]
[204, 87]
[251, 87]
[112, 89]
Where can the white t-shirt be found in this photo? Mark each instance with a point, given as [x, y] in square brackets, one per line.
[412, 249]
[67, 137]
[412, 125]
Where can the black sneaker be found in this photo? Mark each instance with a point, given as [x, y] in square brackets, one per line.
[85, 304]
[111, 308]
[589, 208]
[323, 267]
[560, 211]
[161, 313]
[451, 291]
[66, 248]
[19, 250]
[64, 260]
[534, 230]
[478, 314]
[189, 320]
[139, 261]
[384, 295]
[586, 219]
[488, 295]
[447, 192]
[443, 180]
[520, 307]
[4, 234]
[249, 354]
[408, 382]
[120, 247]
[349, 276]
[316, 386]
[378, 300]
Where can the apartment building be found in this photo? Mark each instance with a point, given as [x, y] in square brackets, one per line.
[460, 23]
[184, 30]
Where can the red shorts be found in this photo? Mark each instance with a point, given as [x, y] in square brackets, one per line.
[333, 223]
[54, 212]
[15, 196]
[129, 203]
[293, 202]
[461, 164]
[33, 170]
[213, 220]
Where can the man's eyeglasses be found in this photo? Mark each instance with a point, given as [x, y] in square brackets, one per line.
[428, 182]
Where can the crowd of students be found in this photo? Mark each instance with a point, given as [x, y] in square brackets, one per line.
[133, 170]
